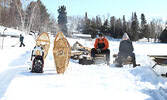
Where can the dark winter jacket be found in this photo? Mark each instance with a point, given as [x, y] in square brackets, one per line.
[21, 39]
[126, 47]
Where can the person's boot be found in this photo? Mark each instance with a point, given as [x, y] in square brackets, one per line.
[108, 62]
[108, 59]
[119, 65]
[93, 57]
[134, 64]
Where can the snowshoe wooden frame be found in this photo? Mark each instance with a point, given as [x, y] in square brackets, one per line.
[61, 53]
[43, 40]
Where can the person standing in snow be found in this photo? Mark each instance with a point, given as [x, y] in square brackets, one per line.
[125, 50]
[101, 46]
[21, 40]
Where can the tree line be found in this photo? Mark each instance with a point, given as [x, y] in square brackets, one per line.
[27, 15]
[117, 27]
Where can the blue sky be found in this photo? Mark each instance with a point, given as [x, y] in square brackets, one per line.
[117, 8]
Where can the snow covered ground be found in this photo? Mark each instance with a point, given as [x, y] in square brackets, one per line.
[80, 82]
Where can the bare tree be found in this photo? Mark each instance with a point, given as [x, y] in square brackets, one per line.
[4, 12]
[53, 26]
[158, 26]
[74, 22]
[18, 5]
[26, 19]
[32, 15]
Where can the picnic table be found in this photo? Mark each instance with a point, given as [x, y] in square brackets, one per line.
[159, 60]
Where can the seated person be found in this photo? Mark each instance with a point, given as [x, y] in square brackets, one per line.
[101, 46]
[125, 50]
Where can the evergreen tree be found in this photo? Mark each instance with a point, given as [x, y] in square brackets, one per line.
[86, 16]
[147, 32]
[86, 25]
[93, 28]
[118, 29]
[44, 17]
[144, 27]
[134, 27]
[124, 25]
[98, 23]
[129, 29]
[112, 27]
[105, 27]
[132, 16]
[62, 20]
[143, 21]
[163, 36]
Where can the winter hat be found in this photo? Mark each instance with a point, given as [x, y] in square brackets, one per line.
[125, 36]
[100, 34]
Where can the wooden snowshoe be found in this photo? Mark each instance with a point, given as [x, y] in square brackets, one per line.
[43, 40]
[61, 53]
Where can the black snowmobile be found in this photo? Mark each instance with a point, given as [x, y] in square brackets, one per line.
[37, 60]
[37, 64]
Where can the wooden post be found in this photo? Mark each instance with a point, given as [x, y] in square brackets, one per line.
[3, 37]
